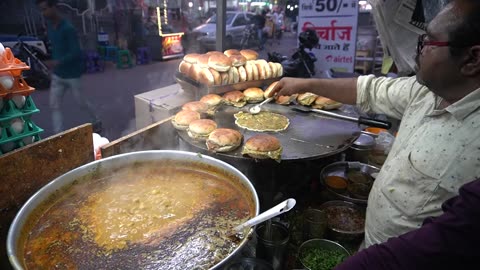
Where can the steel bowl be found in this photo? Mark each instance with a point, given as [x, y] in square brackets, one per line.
[14, 239]
[320, 244]
[341, 235]
[341, 169]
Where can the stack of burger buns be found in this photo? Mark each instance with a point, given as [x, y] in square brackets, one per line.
[217, 139]
[230, 67]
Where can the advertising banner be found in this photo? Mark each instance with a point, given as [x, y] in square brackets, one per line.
[335, 22]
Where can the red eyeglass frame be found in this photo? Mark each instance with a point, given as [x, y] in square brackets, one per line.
[422, 43]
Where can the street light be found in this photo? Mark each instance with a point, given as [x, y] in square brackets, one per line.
[190, 4]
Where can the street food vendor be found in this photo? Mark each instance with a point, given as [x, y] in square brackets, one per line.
[437, 148]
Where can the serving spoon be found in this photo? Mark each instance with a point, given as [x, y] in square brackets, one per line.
[280, 208]
[257, 108]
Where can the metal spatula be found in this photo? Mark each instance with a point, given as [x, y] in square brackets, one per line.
[360, 120]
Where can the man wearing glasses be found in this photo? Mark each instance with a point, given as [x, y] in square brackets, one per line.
[437, 148]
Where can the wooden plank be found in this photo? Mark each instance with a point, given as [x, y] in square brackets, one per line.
[159, 135]
[24, 171]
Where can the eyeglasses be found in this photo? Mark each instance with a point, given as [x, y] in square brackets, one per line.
[422, 43]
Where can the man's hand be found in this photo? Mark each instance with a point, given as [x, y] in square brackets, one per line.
[290, 86]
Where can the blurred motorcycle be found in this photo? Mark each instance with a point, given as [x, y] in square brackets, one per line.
[302, 63]
[38, 75]
[250, 37]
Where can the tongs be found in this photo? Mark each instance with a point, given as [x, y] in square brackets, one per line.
[360, 120]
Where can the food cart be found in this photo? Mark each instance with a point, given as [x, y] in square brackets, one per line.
[167, 44]
[312, 144]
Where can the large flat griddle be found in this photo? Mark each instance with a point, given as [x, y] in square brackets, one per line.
[309, 136]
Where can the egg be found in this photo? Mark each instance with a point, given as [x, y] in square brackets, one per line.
[17, 125]
[7, 147]
[19, 101]
[6, 80]
[2, 49]
[28, 140]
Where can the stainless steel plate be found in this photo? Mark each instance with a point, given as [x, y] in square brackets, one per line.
[309, 135]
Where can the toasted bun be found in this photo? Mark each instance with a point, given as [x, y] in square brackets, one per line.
[225, 78]
[249, 54]
[242, 73]
[235, 98]
[274, 69]
[254, 70]
[238, 60]
[206, 77]
[183, 118]
[213, 52]
[266, 68]
[261, 70]
[269, 89]
[224, 140]
[216, 76]
[263, 146]
[212, 100]
[219, 62]
[249, 70]
[200, 129]
[279, 69]
[282, 100]
[253, 95]
[263, 143]
[184, 68]
[306, 98]
[326, 103]
[203, 60]
[195, 72]
[231, 52]
[195, 106]
[191, 58]
[236, 75]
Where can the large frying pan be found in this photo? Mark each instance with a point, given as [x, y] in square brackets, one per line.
[181, 250]
[309, 135]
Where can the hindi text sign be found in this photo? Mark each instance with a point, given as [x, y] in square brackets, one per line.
[335, 22]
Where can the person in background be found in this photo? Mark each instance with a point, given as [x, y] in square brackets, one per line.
[449, 241]
[437, 149]
[67, 65]
[259, 20]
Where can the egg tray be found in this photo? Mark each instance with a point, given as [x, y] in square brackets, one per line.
[8, 63]
[199, 89]
[10, 110]
[20, 143]
[9, 135]
[20, 87]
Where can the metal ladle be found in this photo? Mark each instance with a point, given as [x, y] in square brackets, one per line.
[280, 208]
[257, 108]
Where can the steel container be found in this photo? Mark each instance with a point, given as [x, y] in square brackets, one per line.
[14, 240]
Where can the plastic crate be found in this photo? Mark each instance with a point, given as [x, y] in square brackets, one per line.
[20, 87]
[10, 110]
[14, 140]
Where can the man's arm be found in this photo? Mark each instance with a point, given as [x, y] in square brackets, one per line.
[342, 90]
[450, 241]
[379, 95]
